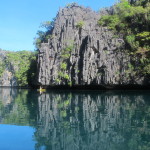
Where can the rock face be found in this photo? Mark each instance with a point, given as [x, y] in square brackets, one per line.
[80, 52]
[7, 77]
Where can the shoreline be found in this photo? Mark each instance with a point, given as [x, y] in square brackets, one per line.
[85, 87]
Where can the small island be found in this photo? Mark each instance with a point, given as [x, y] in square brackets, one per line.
[82, 48]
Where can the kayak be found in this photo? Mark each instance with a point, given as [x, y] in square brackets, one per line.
[42, 90]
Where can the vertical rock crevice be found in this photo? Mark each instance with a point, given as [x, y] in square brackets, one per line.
[96, 56]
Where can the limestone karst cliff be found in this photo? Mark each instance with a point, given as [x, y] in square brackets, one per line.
[7, 77]
[80, 52]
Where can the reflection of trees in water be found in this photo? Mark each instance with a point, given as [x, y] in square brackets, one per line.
[15, 107]
[107, 121]
[83, 120]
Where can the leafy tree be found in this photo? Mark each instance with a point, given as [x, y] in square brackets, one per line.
[21, 62]
[63, 76]
[132, 21]
[48, 25]
[80, 24]
[43, 36]
[2, 68]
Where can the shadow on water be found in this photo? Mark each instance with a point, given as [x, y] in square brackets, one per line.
[81, 120]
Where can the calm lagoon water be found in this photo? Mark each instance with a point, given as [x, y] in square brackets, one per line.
[74, 120]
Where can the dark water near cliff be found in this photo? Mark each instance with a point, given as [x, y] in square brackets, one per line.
[64, 120]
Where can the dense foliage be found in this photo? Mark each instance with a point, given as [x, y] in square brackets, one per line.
[131, 20]
[80, 24]
[22, 61]
[2, 67]
[22, 64]
[63, 75]
[43, 36]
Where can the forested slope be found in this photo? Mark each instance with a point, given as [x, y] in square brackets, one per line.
[17, 68]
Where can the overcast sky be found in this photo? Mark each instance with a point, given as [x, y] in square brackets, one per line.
[20, 19]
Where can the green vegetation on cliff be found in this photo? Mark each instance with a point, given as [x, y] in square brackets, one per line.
[43, 36]
[63, 75]
[22, 61]
[22, 64]
[132, 22]
[2, 67]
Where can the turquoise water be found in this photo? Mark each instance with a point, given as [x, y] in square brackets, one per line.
[74, 120]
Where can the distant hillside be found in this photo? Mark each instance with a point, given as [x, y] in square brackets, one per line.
[17, 68]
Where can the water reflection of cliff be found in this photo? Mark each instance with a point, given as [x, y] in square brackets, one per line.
[103, 120]
[80, 120]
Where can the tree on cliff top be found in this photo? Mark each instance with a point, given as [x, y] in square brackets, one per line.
[43, 36]
[132, 21]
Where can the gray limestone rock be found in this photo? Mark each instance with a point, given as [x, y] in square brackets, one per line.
[7, 77]
[93, 55]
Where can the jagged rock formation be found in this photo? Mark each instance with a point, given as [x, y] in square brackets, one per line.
[80, 52]
[7, 77]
